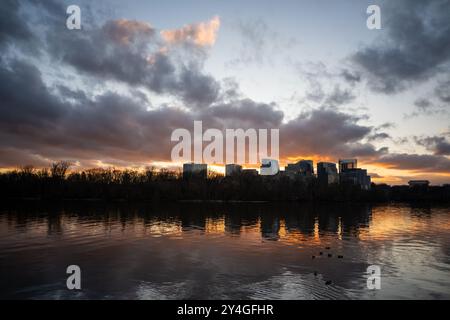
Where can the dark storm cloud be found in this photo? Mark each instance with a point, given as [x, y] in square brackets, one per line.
[416, 162]
[416, 46]
[439, 145]
[196, 88]
[326, 132]
[24, 97]
[110, 127]
[13, 30]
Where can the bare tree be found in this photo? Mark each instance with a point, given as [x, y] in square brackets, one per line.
[59, 169]
[27, 170]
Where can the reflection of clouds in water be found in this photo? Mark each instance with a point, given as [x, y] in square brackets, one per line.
[162, 291]
[227, 251]
[293, 286]
[285, 286]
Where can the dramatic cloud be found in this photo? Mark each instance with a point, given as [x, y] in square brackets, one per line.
[112, 94]
[12, 29]
[326, 132]
[126, 32]
[415, 162]
[416, 46]
[40, 124]
[200, 34]
[107, 127]
[438, 145]
[245, 113]
[133, 53]
[24, 98]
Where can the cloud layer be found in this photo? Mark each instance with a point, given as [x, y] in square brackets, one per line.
[113, 93]
[416, 46]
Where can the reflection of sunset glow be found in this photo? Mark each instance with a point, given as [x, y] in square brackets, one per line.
[251, 232]
[215, 225]
[296, 237]
[385, 223]
[388, 223]
[164, 228]
[316, 230]
[282, 232]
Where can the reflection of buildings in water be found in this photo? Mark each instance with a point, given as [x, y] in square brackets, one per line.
[55, 223]
[302, 222]
[298, 222]
[270, 227]
[308, 223]
[241, 218]
[356, 219]
[328, 223]
[193, 222]
[233, 223]
[344, 219]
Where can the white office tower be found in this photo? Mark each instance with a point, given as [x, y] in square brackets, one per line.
[269, 167]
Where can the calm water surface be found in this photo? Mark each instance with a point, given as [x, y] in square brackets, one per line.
[198, 251]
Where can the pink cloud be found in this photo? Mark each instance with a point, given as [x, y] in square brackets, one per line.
[201, 34]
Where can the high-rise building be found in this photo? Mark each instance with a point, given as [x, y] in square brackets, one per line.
[232, 169]
[303, 168]
[347, 164]
[198, 170]
[327, 173]
[356, 177]
[349, 173]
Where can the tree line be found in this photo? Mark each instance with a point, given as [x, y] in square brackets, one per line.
[57, 183]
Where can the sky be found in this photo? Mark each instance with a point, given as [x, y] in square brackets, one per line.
[110, 94]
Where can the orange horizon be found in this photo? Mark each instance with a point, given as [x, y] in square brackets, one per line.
[386, 174]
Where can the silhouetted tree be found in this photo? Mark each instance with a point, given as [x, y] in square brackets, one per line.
[59, 169]
[166, 185]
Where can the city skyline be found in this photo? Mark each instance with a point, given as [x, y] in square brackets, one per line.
[110, 94]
